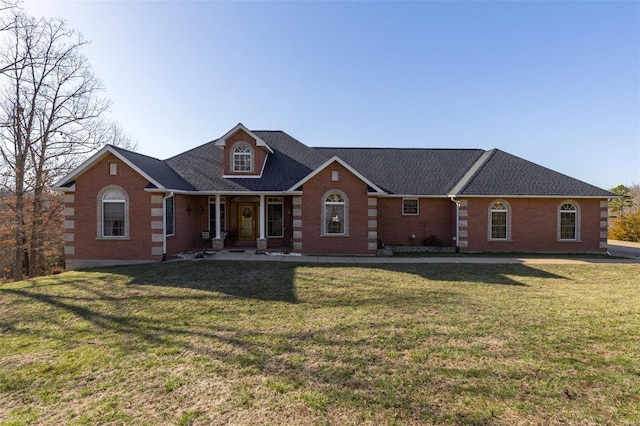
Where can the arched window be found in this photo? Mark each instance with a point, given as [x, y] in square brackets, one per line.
[499, 221]
[568, 221]
[242, 158]
[114, 213]
[335, 214]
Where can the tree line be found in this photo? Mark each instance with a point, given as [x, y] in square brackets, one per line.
[52, 113]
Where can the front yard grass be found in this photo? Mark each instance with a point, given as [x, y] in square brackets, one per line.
[191, 343]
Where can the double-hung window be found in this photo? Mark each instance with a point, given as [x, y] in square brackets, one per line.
[410, 206]
[275, 217]
[114, 213]
[335, 214]
[499, 221]
[568, 222]
[169, 217]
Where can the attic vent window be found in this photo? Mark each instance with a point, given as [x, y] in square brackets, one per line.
[113, 169]
[335, 175]
[242, 159]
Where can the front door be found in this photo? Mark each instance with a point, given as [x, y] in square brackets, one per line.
[247, 221]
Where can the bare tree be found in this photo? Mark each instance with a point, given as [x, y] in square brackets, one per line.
[49, 110]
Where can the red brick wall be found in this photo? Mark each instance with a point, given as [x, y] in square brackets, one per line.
[312, 202]
[534, 226]
[85, 243]
[435, 218]
[191, 218]
[259, 153]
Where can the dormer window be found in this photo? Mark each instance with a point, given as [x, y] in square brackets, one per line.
[242, 158]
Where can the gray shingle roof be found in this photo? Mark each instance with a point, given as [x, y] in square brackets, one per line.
[158, 170]
[396, 170]
[290, 162]
[409, 171]
[506, 174]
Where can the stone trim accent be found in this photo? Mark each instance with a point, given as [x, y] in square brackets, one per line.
[604, 223]
[157, 211]
[69, 198]
[463, 224]
[297, 223]
[69, 250]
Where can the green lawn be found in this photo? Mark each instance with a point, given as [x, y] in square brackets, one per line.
[282, 343]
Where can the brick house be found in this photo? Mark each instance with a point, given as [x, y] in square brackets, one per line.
[268, 191]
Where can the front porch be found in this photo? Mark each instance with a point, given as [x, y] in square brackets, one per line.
[258, 222]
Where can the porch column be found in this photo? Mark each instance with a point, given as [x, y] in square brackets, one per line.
[261, 243]
[262, 217]
[218, 216]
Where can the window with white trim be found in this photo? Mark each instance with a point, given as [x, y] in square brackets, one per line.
[114, 213]
[169, 216]
[568, 221]
[242, 158]
[499, 221]
[275, 217]
[212, 215]
[410, 206]
[335, 214]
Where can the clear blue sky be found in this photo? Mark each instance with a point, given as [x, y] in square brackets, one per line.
[557, 83]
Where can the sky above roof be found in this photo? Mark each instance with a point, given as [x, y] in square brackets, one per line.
[557, 83]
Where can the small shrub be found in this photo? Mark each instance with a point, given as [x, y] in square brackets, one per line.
[626, 228]
[433, 241]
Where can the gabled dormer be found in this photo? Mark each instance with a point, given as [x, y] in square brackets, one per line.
[245, 154]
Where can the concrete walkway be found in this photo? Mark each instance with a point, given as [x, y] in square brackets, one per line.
[249, 255]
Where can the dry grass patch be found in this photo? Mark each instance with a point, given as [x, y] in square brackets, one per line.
[220, 343]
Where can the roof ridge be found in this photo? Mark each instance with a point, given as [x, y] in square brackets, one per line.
[473, 170]
[397, 149]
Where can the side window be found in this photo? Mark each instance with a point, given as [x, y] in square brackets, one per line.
[410, 206]
[275, 216]
[113, 212]
[499, 221]
[169, 217]
[212, 215]
[568, 221]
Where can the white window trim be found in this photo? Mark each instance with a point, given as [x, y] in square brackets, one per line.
[100, 214]
[223, 214]
[251, 155]
[173, 201]
[323, 212]
[417, 213]
[489, 221]
[559, 223]
[280, 201]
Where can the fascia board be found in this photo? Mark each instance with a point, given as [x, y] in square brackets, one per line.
[259, 142]
[91, 161]
[462, 196]
[346, 166]
[413, 196]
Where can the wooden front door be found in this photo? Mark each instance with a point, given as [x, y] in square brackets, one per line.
[247, 221]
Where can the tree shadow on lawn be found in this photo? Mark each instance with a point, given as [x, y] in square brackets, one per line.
[513, 274]
[342, 356]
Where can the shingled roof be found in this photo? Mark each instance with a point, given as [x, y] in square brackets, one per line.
[505, 174]
[397, 171]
